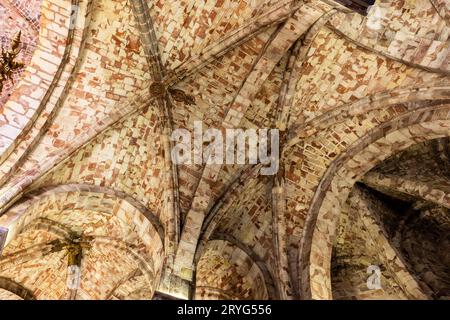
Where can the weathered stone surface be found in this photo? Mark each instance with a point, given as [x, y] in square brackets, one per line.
[85, 150]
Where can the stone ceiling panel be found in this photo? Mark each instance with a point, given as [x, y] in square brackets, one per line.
[127, 158]
[186, 29]
[231, 272]
[336, 72]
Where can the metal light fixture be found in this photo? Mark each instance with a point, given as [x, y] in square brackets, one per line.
[75, 252]
[74, 249]
[8, 65]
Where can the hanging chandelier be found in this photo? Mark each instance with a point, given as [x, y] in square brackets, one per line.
[8, 65]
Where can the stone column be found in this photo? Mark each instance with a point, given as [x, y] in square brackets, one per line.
[3, 235]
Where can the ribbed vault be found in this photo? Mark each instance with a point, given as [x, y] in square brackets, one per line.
[360, 92]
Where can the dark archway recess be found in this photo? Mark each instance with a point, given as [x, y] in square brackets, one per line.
[406, 195]
[359, 6]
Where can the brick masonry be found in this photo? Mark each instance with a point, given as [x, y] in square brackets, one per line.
[85, 151]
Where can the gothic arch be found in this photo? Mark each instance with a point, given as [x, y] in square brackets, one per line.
[239, 278]
[82, 191]
[16, 289]
[38, 95]
[110, 226]
[391, 137]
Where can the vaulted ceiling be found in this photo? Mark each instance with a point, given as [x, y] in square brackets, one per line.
[360, 94]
